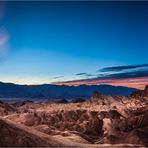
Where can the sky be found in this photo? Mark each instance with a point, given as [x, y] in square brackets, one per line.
[74, 43]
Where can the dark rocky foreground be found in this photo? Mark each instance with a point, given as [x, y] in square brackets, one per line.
[101, 121]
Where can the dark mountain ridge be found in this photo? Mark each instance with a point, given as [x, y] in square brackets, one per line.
[50, 91]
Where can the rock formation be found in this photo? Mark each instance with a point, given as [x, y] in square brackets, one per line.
[141, 93]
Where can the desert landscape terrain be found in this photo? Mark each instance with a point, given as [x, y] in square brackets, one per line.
[73, 73]
[115, 121]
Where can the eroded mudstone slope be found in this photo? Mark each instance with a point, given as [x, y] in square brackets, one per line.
[14, 135]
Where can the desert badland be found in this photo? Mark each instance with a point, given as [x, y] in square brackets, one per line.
[100, 121]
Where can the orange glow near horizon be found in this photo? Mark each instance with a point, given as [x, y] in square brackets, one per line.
[128, 82]
[138, 82]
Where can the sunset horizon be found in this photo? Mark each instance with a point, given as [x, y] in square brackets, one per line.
[52, 43]
[134, 76]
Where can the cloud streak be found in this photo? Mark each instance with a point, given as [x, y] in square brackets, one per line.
[124, 75]
[80, 74]
[58, 77]
[121, 68]
[84, 74]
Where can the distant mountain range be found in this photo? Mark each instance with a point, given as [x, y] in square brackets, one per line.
[49, 91]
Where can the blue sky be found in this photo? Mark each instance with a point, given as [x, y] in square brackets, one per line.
[40, 41]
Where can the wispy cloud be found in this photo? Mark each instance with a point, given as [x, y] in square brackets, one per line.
[121, 68]
[58, 77]
[80, 74]
[84, 74]
[124, 75]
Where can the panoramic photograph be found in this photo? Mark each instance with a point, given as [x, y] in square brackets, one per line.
[74, 74]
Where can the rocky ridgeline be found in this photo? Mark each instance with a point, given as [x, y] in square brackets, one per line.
[141, 93]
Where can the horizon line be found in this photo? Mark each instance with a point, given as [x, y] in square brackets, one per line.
[37, 84]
